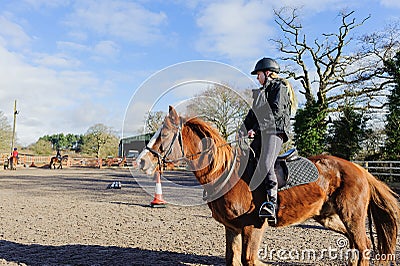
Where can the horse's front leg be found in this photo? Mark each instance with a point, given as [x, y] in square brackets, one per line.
[252, 236]
[233, 247]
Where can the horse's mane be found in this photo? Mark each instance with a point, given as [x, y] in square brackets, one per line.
[222, 150]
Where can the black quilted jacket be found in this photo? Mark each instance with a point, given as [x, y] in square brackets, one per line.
[271, 109]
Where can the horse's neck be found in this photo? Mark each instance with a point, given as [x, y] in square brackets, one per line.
[209, 159]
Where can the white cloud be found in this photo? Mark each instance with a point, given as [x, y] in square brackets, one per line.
[391, 3]
[38, 4]
[58, 60]
[242, 29]
[12, 34]
[106, 49]
[101, 51]
[127, 20]
[72, 46]
[235, 29]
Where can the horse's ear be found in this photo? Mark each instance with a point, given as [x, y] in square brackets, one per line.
[173, 114]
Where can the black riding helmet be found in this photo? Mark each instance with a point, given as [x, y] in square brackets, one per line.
[266, 64]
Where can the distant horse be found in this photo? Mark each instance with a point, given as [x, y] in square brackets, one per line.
[13, 161]
[56, 160]
[340, 199]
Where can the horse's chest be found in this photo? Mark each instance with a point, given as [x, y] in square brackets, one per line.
[223, 210]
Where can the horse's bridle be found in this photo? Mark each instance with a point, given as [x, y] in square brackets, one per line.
[162, 158]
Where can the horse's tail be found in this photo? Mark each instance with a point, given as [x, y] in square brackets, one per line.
[384, 209]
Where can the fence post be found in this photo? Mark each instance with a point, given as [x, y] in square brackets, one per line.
[366, 166]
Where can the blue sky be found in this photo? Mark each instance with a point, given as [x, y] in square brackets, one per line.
[72, 64]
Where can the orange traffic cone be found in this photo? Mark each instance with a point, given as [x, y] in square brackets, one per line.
[158, 200]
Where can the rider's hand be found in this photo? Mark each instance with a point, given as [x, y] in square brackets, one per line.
[251, 134]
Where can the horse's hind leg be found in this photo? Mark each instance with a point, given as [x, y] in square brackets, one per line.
[353, 213]
[333, 222]
[233, 247]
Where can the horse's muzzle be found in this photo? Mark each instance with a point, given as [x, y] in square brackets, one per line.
[145, 163]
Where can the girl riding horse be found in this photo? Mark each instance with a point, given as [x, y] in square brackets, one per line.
[341, 199]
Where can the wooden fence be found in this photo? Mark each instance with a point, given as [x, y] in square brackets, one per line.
[43, 161]
[384, 170]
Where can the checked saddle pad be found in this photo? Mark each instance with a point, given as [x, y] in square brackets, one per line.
[294, 170]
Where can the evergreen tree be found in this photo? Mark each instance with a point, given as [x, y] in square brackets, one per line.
[347, 133]
[392, 145]
[310, 130]
[64, 142]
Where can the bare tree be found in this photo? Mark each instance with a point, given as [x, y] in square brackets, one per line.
[153, 121]
[222, 106]
[5, 133]
[329, 67]
[100, 140]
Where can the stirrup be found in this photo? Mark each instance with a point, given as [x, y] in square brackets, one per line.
[268, 211]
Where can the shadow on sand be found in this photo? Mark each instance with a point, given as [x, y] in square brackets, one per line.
[35, 254]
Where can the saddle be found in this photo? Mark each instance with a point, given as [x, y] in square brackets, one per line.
[293, 170]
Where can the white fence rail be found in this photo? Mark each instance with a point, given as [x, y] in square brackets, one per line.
[382, 169]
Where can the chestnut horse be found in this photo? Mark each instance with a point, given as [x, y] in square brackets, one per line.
[341, 198]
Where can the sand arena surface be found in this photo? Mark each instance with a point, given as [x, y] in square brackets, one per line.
[68, 217]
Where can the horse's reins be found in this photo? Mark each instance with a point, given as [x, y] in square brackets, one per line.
[219, 184]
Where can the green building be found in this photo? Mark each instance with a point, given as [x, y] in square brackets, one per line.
[137, 143]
